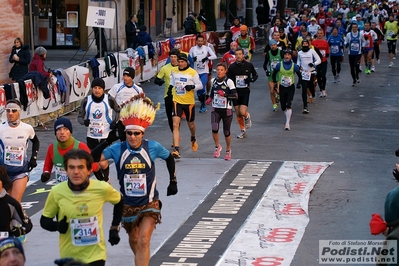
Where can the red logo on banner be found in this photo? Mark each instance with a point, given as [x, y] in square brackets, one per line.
[267, 261]
[29, 91]
[292, 209]
[311, 169]
[299, 187]
[2, 99]
[280, 235]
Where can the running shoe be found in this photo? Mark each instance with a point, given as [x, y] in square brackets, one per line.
[354, 83]
[287, 127]
[217, 151]
[305, 111]
[194, 145]
[321, 94]
[378, 61]
[227, 157]
[335, 79]
[360, 69]
[248, 122]
[338, 79]
[324, 93]
[358, 80]
[367, 71]
[390, 64]
[176, 154]
[277, 98]
[203, 108]
[275, 107]
[242, 135]
[372, 68]
[298, 86]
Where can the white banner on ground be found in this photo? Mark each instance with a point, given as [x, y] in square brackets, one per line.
[278, 223]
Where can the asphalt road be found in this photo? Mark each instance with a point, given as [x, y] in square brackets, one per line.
[353, 127]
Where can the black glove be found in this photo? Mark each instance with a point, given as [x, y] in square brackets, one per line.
[63, 226]
[86, 122]
[268, 73]
[246, 57]
[347, 45]
[395, 174]
[114, 237]
[394, 36]
[189, 87]
[18, 231]
[251, 51]
[158, 81]
[45, 177]
[311, 64]
[113, 124]
[172, 188]
[397, 153]
[32, 164]
[194, 58]
[204, 59]
[248, 80]
[62, 262]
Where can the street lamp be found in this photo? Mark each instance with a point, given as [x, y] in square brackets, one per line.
[227, 24]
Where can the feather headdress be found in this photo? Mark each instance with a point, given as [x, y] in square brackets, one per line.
[138, 113]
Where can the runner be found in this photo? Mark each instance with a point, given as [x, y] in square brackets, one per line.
[247, 43]
[368, 46]
[313, 27]
[284, 74]
[11, 252]
[336, 43]
[229, 57]
[184, 81]
[272, 57]
[201, 55]
[235, 29]
[307, 60]
[77, 205]
[321, 44]
[96, 113]
[56, 151]
[163, 77]
[14, 136]
[122, 92]
[242, 73]
[380, 38]
[222, 92]
[14, 221]
[391, 31]
[134, 161]
[353, 41]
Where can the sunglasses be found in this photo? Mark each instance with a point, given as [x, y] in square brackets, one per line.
[11, 110]
[135, 133]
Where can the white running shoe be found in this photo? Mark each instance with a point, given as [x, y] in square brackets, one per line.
[390, 64]
[242, 135]
[372, 68]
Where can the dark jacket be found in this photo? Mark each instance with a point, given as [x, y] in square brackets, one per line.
[189, 25]
[20, 67]
[38, 65]
[143, 38]
[131, 33]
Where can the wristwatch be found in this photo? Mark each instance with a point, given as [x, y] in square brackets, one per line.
[173, 180]
[115, 227]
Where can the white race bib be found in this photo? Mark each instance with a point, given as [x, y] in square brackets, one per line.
[355, 47]
[14, 156]
[85, 231]
[200, 65]
[306, 75]
[60, 174]
[334, 49]
[240, 81]
[135, 185]
[96, 129]
[219, 101]
[286, 81]
[3, 235]
[180, 88]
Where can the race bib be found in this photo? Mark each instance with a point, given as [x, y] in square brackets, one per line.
[14, 156]
[355, 47]
[286, 81]
[60, 174]
[245, 51]
[3, 235]
[219, 101]
[200, 65]
[135, 185]
[306, 75]
[180, 90]
[240, 81]
[334, 49]
[390, 33]
[85, 231]
[96, 129]
[321, 21]
[273, 64]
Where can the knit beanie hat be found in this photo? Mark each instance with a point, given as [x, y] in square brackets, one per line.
[129, 71]
[62, 122]
[98, 82]
[11, 242]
